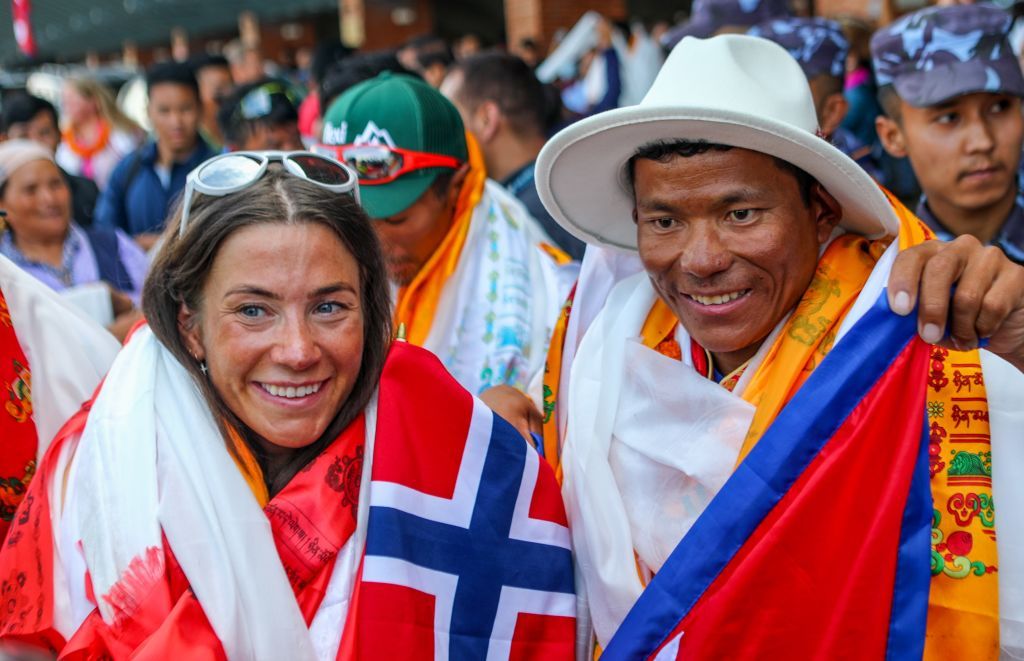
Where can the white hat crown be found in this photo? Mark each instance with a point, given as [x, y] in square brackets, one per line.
[738, 74]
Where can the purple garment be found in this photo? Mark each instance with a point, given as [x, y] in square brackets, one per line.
[79, 262]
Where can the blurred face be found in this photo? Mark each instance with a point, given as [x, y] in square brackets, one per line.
[37, 201]
[409, 238]
[964, 152]
[281, 329]
[42, 129]
[174, 113]
[214, 84]
[729, 244]
[284, 137]
[76, 108]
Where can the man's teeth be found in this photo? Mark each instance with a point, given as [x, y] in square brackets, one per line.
[290, 392]
[718, 300]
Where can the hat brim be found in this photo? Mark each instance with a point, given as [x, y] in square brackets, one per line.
[394, 197]
[582, 180]
[952, 79]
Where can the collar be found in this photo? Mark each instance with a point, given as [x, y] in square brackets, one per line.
[518, 181]
[1009, 238]
[63, 273]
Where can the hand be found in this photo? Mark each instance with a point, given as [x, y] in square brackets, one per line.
[516, 408]
[988, 302]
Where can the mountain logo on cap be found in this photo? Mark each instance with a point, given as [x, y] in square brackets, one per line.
[374, 135]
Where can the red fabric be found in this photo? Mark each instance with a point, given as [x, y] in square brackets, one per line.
[853, 553]
[17, 428]
[21, 13]
[543, 637]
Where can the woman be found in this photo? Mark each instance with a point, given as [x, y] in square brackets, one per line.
[42, 238]
[262, 475]
[97, 134]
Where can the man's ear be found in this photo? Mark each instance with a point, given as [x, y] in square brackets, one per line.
[188, 328]
[455, 186]
[828, 212]
[890, 134]
[488, 121]
[833, 112]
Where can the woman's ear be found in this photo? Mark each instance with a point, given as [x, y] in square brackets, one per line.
[188, 328]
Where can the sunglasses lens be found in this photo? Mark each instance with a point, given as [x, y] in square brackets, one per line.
[373, 162]
[319, 170]
[229, 172]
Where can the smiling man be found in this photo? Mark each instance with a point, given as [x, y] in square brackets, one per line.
[951, 88]
[759, 457]
[477, 281]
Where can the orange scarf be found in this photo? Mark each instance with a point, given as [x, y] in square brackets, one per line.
[417, 301]
[86, 152]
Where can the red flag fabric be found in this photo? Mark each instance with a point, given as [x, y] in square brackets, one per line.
[21, 12]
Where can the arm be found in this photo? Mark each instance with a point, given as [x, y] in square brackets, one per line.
[111, 208]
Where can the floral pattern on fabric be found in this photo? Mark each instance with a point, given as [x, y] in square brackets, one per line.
[17, 428]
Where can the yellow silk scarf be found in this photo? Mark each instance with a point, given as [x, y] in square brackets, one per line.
[417, 301]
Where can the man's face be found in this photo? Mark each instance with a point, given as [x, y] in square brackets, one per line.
[964, 152]
[729, 243]
[409, 238]
[214, 85]
[283, 137]
[42, 129]
[174, 113]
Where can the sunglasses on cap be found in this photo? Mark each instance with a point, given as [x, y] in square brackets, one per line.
[258, 102]
[381, 164]
[231, 173]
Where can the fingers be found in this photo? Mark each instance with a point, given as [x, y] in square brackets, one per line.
[906, 275]
[937, 277]
[975, 296]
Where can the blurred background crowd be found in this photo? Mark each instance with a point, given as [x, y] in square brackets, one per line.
[128, 96]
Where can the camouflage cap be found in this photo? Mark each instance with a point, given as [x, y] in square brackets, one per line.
[710, 16]
[939, 53]
[817, 44]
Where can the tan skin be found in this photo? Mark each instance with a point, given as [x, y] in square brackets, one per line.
[409, 238]
[38, 205]
[965, 155]
[830, 106]
[281, 308]
[42, 129]
[988, 303]
[214, 84]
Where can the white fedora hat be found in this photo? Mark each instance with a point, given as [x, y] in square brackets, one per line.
[733, 90]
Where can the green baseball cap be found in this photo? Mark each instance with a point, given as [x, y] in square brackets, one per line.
[402, 112]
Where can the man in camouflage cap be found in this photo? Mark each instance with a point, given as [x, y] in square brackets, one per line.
[951, 90]
[820, 48]
[711, 17]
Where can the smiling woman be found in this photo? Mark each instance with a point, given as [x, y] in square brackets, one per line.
[263, 469]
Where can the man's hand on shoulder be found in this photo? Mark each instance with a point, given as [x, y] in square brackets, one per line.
[988, 302]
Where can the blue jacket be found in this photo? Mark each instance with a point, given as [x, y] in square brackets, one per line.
[135, 200]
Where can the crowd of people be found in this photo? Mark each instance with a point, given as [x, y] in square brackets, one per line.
[702, 341]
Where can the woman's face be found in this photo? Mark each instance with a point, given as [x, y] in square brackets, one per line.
[37, 201]
[75, 107]
[280, 327]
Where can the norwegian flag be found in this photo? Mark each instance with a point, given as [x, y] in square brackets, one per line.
[21, 12]
[468, 549]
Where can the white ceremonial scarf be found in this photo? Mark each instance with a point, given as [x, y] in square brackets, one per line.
[67, 352]
[498, 309]
[152, 459]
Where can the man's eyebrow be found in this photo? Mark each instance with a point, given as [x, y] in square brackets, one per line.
[656, 205]
[738, 196]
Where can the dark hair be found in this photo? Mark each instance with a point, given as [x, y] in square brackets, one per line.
[207, 61]
[508, 82]
[353, 70]
[171, 73]
[830, 84]
[180, 269]
[22, 108]
[327, 54]
[890, 100]
[666, 150]
[233, 124]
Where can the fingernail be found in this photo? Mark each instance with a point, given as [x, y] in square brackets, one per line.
[901, 303]
[931, 333]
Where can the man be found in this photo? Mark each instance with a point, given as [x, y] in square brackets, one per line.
[145, 183]
[213, 74]
[712, 17]
[246, 62]
[502, 104]
[261, 115]
[741, 427]
[32, 118]
[819, 46]
[428, 56]
[476, 283]
[951, 89]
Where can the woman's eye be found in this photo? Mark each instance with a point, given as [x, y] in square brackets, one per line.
[251, 311]
[330, 307]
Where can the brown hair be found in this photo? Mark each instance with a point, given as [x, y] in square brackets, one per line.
[106, 105]
[179, 271]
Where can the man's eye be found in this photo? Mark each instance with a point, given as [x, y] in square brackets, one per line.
[665, 223]
[741, 215]
[1000, 106]
[946, 118]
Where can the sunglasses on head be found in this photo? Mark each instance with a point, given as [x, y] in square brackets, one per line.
[258, 102]
[231, 173]
[381, 164]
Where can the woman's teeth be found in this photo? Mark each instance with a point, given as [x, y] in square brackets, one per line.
[718, 300]
[290, 392]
